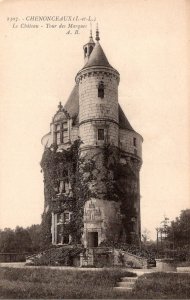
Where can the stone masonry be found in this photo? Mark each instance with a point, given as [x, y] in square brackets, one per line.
[113, 149]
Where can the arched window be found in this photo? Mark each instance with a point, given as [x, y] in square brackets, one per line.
[101, 89]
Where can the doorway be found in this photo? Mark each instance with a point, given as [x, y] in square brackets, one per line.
[92, 239]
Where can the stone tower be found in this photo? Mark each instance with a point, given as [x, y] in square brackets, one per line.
[97, 190]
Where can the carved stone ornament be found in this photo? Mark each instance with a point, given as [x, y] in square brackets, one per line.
[61, 113]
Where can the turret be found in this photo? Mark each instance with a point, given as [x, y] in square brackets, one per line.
[98, 99]
[88, 47]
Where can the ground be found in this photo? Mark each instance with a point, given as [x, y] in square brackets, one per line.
[71, 283]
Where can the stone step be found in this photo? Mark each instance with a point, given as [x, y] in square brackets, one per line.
[122, 288]
[125, 284]
[129, 279]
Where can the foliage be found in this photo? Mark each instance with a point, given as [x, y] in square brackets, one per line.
[45, 232]
[7, 240]
[175, 237]
[64, 256]
[20, 240]
[34, 232]
[179, 230]
[58, 165]
[132, 249]
[93, 174]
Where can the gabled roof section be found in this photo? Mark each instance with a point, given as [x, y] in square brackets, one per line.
[72, 107]
[97, 58]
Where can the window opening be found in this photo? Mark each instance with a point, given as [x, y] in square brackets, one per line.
[59, 132]
[66, 217]
[101, 89]
[101, 134]
[58, 137]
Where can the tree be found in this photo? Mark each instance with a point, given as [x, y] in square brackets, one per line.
[35, 235]
[20, 240]
[145, 235]
[23, 240]
[7, 240]
[179, 230]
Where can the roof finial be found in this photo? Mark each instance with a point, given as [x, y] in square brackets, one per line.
[97, 33]
[60, 106]
[90, 30]
[91, 38]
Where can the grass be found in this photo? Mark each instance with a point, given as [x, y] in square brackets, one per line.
[82, 284]
[59, 284]
[162, 286]
[183, 264]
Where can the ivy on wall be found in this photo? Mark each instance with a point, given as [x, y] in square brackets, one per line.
[96, 173]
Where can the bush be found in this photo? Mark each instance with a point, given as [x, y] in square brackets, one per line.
[62, 256]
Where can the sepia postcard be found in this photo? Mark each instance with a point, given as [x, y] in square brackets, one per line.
[95, 148]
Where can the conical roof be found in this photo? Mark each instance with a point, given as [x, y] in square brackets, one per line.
[123, 121]
[72, 107]
[97, 58]
[72, 104]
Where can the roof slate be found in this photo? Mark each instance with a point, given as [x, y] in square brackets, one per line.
[97, 58]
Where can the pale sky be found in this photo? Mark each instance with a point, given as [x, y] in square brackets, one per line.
[147, 41]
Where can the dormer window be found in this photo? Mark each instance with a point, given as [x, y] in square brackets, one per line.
[101, 90]
[58, 127]
[61, 134]
[58, 137]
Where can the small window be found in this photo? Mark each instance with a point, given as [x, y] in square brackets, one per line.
[134, 142]
[59, 218]
[58, 137]
[66, 239]
[62, 187]
[58, 127]
[135, 151]
[101, 90]
[61, 137]
[66, 217]
[61, 132]
[101, 134]
[65, 126]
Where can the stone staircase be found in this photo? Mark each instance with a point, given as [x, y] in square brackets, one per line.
[126, 284]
